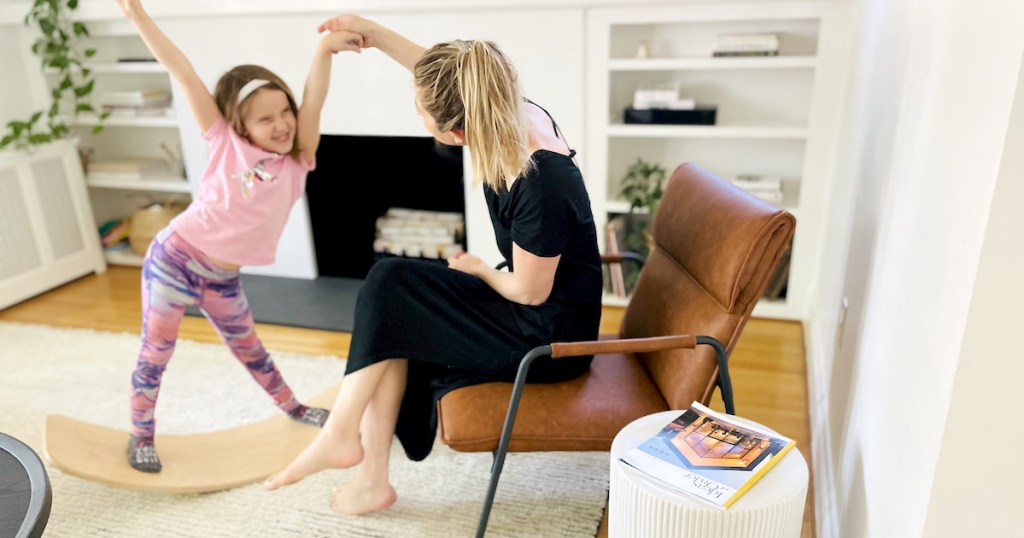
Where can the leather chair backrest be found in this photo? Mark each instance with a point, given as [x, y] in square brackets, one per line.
[714, 248]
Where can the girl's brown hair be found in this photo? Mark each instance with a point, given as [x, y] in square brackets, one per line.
[473, 86]
[225, 94]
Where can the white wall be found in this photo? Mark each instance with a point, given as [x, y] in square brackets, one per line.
[16, 102]
[927, 125]
[372, 95]
[984, 414]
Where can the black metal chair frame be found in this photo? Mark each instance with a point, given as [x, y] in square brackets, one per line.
[580, 348]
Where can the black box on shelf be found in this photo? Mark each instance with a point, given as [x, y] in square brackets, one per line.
[664, 116]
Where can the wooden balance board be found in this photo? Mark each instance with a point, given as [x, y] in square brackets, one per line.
[195, 463]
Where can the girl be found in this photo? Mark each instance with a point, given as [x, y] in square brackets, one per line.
[261, 145]
[421, 329]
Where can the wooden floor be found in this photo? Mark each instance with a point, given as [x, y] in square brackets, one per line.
[768, 367]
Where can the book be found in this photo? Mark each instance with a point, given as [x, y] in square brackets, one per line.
[612, 230]
[709, 456]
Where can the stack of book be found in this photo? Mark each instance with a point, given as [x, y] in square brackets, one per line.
[662, 104]
[767, 188]
[419, 233]
[661, 96]
[746, 45]
[136, 102]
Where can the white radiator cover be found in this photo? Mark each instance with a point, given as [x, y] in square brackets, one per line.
[47, 232]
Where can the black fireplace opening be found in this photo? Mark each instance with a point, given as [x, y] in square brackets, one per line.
[359, 178]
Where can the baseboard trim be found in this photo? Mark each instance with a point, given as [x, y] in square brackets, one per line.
[826, 508]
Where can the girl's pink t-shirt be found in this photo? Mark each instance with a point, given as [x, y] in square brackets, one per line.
[243, 201]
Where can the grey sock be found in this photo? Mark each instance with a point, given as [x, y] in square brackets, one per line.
[142, 454]
[314, 416]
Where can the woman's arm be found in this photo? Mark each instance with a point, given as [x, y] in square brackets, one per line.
[384, 39]
[315, 92]
[203, 107]
[529, 283]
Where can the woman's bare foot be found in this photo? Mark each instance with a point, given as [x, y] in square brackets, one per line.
[326, 451]
[355, 498]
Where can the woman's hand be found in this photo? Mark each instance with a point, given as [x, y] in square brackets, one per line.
[467, 263]
[352, 24]
[341, 40]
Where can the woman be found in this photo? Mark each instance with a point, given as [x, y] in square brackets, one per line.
[422, 329]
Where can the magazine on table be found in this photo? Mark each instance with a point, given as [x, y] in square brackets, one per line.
[709, 455]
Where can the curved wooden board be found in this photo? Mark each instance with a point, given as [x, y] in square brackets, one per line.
[193, 463]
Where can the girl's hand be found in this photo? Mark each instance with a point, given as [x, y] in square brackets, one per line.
[467, 263]
[354, 24]
[342, 40]
[130, 8]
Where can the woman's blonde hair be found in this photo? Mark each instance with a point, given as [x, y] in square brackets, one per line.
[473, 86]
[225, 94]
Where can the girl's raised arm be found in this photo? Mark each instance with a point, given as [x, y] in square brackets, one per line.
[204, 109]
[315, 92]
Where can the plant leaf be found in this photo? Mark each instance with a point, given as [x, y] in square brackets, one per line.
[82, 91]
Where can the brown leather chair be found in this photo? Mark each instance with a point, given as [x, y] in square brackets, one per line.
[715, 247]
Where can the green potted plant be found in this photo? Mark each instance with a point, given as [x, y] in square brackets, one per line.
[642, 188]
[61, 52]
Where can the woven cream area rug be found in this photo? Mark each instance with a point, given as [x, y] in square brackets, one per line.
[86, 374]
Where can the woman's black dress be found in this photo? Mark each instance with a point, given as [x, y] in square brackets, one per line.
[456, 331]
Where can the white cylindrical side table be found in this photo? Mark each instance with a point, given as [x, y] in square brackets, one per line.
[640, 507]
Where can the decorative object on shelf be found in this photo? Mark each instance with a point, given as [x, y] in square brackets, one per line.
[643, 50]
[663, 95]
[59, 50]
[147, 221]
[705, 115]
[767, 188]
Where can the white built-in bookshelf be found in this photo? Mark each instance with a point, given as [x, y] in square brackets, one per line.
[776, 115]
[150, 136]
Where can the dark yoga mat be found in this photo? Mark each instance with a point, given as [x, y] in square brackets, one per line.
[326, 303]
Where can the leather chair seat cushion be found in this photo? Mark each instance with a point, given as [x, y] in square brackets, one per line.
[614, 392]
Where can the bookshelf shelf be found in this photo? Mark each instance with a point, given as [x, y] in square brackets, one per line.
[126, 121]
[123, 257]
[161, 184]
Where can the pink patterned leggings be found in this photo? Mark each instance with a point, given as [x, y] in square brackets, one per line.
[176, 275]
